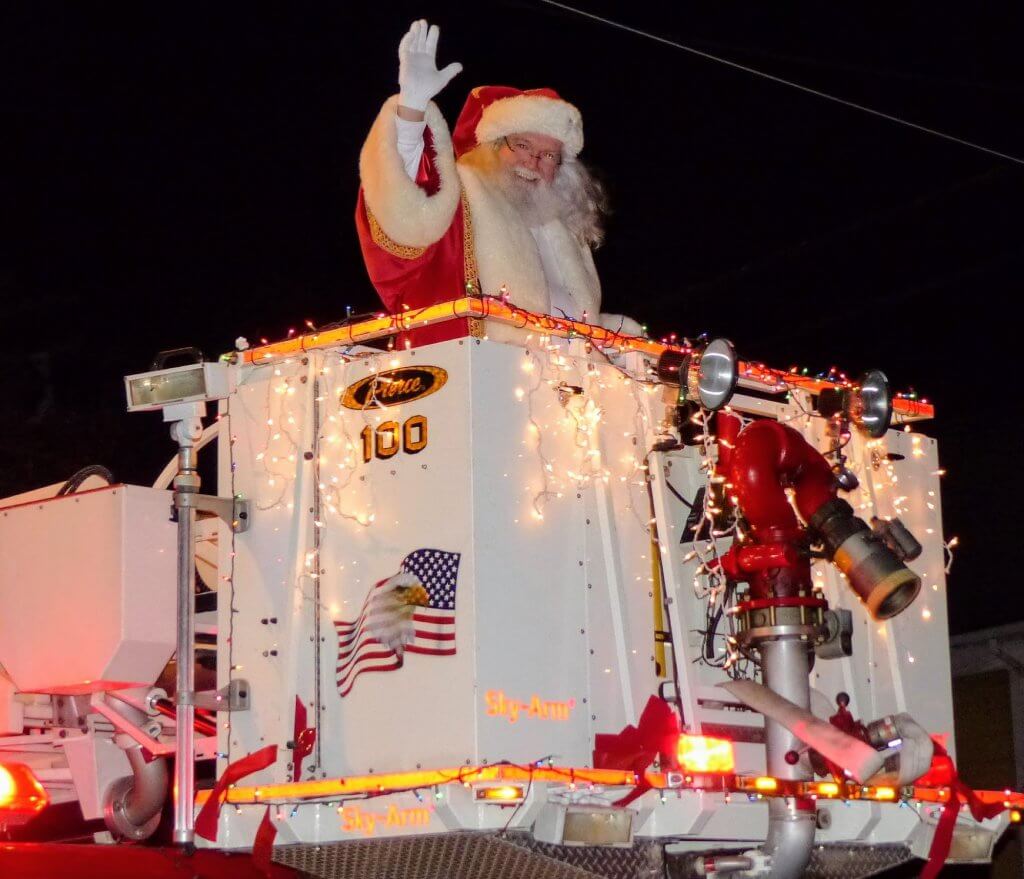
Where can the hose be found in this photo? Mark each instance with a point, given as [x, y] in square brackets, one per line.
[75, 482]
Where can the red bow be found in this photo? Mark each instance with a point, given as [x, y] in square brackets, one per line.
[656, 735]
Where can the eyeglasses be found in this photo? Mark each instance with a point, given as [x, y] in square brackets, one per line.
[523, 149]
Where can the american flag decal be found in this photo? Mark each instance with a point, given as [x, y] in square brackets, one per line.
[413, 611]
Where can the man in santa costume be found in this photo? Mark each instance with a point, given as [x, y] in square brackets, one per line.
[502, 207]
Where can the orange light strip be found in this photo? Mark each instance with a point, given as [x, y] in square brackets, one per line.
[494, 309]
[469, 306]
[1009, 798]
[766, 786]
[761, 786]
[399, 781]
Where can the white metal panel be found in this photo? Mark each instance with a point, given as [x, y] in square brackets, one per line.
[260, 596]
[423, 712]
[12, 711]
[918, 639]
[91, 577]
[95, 763]
[530, 573]
[622, 563]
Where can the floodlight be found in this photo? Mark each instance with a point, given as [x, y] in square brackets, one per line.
[868, 405]
[707, 376]
[192, 383]
[872, 407]
[716, 379]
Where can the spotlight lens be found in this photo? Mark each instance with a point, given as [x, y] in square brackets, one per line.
[874, 404]
[716, 379]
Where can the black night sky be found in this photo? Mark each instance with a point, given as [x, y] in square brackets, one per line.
[181, 174]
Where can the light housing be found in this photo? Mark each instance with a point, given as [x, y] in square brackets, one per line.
[704, 755]
[872, 407]
[584, 825]
[504, 794]
[708, 377]
[21, 795]
[868, 405]
[192, 383]
[594, 826]
[717, 374]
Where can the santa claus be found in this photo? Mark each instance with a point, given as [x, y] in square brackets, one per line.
[503, 207]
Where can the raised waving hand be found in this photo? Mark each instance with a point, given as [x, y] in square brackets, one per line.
[419, 79]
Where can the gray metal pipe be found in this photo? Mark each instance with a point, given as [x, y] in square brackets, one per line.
[133, 804]
[791, 827]
[785, 668]
[149, 791]
[722, 865]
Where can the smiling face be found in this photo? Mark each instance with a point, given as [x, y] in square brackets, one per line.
[528, 170]
[531, 156]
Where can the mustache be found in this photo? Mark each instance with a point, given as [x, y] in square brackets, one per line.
[525, 173]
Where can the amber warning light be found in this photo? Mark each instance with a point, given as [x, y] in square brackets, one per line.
[21, 795]
[704, 755]
[507, 793]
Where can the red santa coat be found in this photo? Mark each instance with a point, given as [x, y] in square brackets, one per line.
[451, 233]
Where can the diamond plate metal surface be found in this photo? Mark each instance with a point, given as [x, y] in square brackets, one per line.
[856, 861]
[645, 860]
[827, 861]
[519, 856]
[440, 856]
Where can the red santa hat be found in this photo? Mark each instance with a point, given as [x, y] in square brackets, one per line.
[494, 111]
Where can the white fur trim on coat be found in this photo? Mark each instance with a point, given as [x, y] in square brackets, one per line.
[526, 113]
[404, 211]
[507, 254]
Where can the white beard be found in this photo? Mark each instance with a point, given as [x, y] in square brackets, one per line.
[508, 209]
[536, 200]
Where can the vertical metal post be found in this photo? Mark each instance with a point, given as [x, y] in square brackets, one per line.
[186, 486]
[785, 666]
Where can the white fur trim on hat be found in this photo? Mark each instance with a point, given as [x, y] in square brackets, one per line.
[405, 212]
[525, 113]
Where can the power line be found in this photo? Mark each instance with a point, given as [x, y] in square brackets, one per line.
[787, 82]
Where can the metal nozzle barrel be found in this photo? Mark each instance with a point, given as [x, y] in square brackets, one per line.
[875, 573]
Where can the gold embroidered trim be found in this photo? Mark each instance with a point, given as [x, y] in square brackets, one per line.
[469, 269]
[384, 242]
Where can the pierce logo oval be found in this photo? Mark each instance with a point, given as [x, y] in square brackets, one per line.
[394, 387]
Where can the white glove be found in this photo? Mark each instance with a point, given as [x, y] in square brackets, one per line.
[418, 77]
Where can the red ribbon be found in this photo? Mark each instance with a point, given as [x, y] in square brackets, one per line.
[207, 819]
[958, 792]
[656, 735]
[263, 845]
[302, 740]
